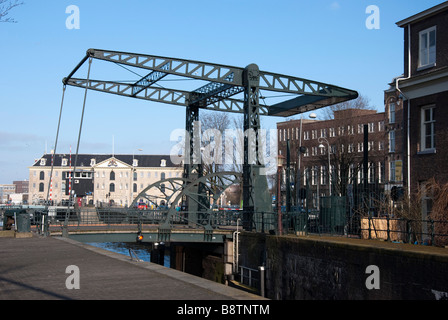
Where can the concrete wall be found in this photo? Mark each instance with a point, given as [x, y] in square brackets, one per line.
[335, 268]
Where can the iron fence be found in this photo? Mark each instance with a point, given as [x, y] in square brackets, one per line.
[427, 232]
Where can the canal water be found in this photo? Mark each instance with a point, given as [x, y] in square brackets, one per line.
[141, 250]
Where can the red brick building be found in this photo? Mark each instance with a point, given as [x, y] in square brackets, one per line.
[344, 136]
[423, 90]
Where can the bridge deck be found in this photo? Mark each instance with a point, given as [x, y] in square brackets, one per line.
[34, 268]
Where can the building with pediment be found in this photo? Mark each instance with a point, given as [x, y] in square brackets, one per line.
[100, 179]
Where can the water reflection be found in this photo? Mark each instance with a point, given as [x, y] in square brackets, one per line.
[143, 251]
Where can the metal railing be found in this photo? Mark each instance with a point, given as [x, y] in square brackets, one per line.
[428, 232]
[250, 277]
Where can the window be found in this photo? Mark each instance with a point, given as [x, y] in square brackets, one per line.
[427, 48]
[392, 141]
[92, 162]
[41, 187]
[427, 129]
[360, 128]
[112, 187]
[306, 135]
[307, 152]
[162, 176]
[135, 162]
[360, 147]
[42, 175]
[371, 127]
[323, 175]
[135, 176]
[392, 112]
[134, 187]
[323, 133]
[392, 171]
[351, 148]
[64, 162]
[332, 133]
[112, 175]
[314, 175]
[43, 162]
[381, 171]
[313, 134]
[350, 129]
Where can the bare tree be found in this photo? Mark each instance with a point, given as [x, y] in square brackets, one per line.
[362, 102]
[5, 7]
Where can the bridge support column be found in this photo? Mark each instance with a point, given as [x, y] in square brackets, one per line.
[251, 167]
[193, 168]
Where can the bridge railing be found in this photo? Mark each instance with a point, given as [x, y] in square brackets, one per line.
[116, 216]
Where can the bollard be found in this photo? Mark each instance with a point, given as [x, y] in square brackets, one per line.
[262, 289]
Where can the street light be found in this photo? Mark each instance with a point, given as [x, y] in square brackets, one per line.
[280, 161]
[301, 150]
[321, 140]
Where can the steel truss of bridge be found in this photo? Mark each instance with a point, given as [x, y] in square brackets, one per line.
[216, 87]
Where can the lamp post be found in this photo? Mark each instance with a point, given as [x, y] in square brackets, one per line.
[299, 156]
[321, 140]
[280, 160]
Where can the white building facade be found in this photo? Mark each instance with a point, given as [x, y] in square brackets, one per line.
[99, 179]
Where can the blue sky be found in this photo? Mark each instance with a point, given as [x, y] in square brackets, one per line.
[322, 40]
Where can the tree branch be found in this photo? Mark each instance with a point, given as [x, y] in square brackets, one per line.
[5, 7]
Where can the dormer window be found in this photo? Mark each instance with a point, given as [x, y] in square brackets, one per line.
[163, 163]
[135, 163]
[64, 162]
[92, 162]
[43, 162]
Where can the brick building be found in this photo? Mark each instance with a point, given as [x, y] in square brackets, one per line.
[344, 136]
[22, 186]
[423, 90]
[395, 136]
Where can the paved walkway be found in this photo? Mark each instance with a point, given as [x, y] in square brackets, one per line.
[35, 268]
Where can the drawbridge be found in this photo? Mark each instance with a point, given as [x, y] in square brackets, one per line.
[220, 88]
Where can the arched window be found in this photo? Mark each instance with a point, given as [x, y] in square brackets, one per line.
[42, 175]
[162, 176]
[162, 188]
[112, 187]
[41, 187]
[134, 187]
[112, 175]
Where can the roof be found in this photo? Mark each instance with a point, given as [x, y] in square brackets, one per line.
[424, 14]
[84, 160]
